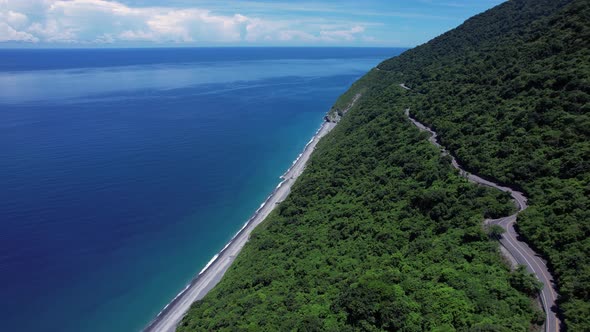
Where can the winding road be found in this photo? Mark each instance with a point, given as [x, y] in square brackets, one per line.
[520, 251]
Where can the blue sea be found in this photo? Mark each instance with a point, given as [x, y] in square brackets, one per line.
[123, 171]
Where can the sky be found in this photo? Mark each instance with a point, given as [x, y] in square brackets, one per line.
[125, 23]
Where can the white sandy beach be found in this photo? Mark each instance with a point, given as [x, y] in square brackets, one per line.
[173, 313]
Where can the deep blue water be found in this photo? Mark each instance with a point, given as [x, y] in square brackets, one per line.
[122, 172]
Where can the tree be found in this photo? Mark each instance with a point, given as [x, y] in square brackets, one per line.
[496, 231]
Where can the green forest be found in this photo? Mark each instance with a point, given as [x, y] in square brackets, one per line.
[509, 94]
[380, 233]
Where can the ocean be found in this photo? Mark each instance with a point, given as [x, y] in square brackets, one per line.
[124, 171]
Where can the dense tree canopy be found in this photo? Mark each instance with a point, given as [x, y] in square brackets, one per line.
[509, 94]
[381, 234]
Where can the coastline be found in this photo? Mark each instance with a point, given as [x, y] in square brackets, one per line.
[212, 273]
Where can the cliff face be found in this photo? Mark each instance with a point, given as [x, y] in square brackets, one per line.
[336, 113]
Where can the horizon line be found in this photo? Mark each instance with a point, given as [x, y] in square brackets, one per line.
[190, 47]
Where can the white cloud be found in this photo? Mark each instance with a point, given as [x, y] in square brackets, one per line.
[10, 24]
[7, 33]
[294, 35]
[347, 35]
[14, 19]
[103, 21]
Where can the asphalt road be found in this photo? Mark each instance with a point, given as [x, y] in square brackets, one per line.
[519, 250]
[403, 85]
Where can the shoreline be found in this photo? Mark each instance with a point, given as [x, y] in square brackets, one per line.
[169, 317]
[284, 176]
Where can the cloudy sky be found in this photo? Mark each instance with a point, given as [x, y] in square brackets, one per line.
[395, 23]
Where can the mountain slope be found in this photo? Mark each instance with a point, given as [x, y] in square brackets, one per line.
[509, 94]
[381, 234]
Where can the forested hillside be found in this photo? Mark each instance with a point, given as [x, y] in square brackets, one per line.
[381, 234]
[509, 94]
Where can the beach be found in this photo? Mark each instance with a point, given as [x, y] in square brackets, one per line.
[172, 314]
[139, 165]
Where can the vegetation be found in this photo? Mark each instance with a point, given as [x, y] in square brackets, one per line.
[496, 231]
[509, 94]
[381, 234]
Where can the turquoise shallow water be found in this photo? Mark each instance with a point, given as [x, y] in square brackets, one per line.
[125, 171]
